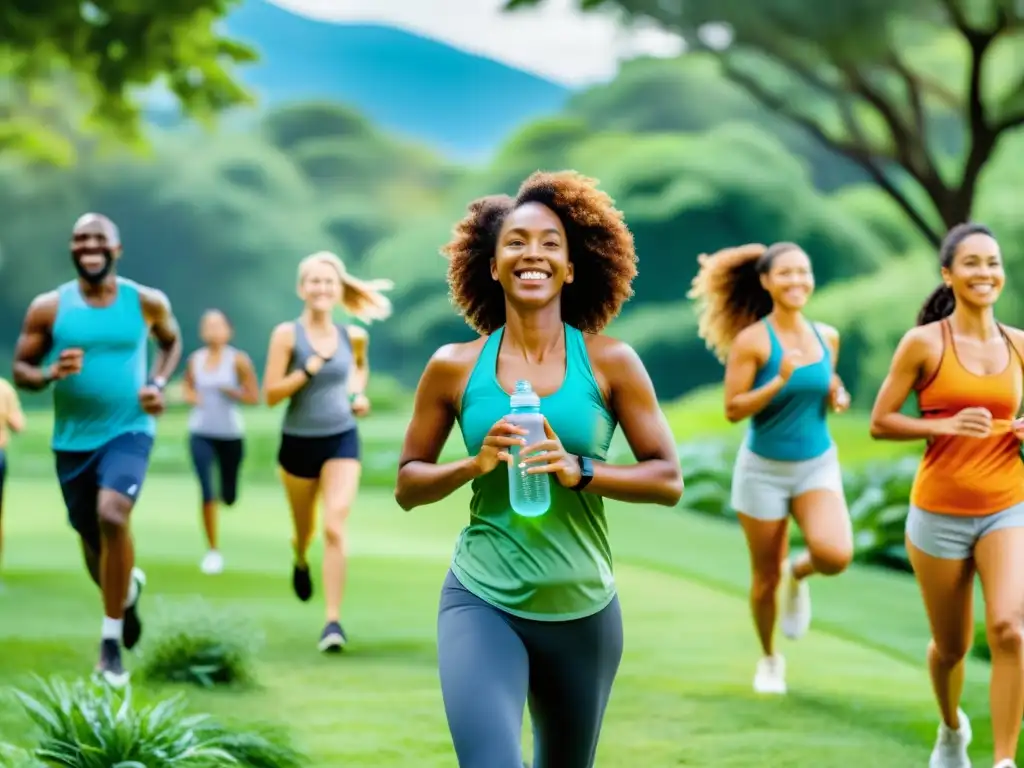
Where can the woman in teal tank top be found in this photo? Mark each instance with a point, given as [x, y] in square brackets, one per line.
[780, 373]
[529, 609]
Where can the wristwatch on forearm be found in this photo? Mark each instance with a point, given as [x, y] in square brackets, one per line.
[158, 381]
[586, 472]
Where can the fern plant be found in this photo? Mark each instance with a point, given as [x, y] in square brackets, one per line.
[90, 725]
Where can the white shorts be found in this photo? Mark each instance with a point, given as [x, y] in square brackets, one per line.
[763, 488]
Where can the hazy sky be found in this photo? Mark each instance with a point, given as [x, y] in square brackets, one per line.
[555, 41]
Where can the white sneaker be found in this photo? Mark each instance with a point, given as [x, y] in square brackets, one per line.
[796, 604]
[213, 563]
[951, 746]
[770, 676]
[1006, 764]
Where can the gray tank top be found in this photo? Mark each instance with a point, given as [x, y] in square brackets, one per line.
[216, 415]
[320, 407]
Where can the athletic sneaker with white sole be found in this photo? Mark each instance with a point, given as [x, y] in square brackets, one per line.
[770, 676]
[333, 638]
[213, 563]
[131, 632]
[796, 604]
[1006, 764]
[110, 669]
[951, 746]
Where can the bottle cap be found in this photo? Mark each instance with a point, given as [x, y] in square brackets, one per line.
[524, 396]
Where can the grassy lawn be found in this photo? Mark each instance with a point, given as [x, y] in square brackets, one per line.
[858, 687]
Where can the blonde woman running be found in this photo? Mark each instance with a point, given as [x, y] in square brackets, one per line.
[321, 368]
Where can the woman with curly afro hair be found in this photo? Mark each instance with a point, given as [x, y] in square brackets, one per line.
[529, 609]
[780, 373]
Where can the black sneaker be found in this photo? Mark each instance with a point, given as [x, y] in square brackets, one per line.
[333, 638]
[132, 629]
[110, 668]
[302, 583]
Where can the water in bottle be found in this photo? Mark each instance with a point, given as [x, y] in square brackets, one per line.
[530, 494]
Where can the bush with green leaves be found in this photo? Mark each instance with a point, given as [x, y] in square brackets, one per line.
[86, 724]
[14, 757]
[201, 644]
[878, 497]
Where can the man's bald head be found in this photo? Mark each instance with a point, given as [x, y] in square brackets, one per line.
[97, 224]
[95, 246]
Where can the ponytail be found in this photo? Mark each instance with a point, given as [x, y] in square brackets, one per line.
[363, 299]
[729, 293]
[939, 304]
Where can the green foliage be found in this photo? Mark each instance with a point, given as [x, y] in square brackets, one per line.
[200, 644]
[860, 77]
[104, 52]
[91, 725]
[980, 648]
[13, 757]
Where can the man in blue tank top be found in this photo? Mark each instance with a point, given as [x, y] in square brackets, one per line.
[89, 338]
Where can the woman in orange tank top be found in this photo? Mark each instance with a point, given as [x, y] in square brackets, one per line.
[967, 504]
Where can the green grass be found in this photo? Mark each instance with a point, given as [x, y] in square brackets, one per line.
[858, 686]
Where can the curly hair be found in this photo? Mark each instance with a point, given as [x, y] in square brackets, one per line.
[941, 302]
[600, 248]
[729, 294]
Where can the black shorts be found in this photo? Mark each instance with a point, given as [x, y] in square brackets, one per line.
[306, 456]
[118, 465]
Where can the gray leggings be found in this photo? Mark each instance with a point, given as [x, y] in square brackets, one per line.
[492, 663]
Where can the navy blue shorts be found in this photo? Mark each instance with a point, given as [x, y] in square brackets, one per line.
[305, 456]
[119, 465]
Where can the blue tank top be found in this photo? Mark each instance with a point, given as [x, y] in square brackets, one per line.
[101, 402]
[793, 426]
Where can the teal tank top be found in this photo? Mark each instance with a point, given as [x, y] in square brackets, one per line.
[558, 566]
[102, 401]
[793, 426]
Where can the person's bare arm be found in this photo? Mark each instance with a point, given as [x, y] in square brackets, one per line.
[248, 391]
[188, 383]
[34, 343]
[656, 477]
[359, 376]
[278, 384]
[163, 327]
[838, 397]
[14, 414]
[915, 350]
[745, 357]
[421, 480]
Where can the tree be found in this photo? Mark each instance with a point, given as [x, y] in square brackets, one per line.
[101, 54]
[918, 93]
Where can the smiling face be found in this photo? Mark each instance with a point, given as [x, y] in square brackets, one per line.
[531, 260]
[976, 274]
[790, 280]
[320, 286]
[95, 246]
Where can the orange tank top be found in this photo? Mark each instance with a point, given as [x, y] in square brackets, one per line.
[971, 476]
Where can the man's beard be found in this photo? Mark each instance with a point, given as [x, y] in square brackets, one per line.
[97, 277]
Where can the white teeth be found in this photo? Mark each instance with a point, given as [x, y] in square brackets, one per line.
[532, 276]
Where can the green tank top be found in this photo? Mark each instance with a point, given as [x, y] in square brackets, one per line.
[558, 566]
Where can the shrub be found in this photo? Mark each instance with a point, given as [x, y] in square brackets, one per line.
[13, 757]
[199, 644]
[91, 725]
[980, 649]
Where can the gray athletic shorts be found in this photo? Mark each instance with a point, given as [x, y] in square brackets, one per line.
[763, 488]
[952, 537]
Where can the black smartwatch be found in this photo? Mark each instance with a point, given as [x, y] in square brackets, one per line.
[586, 473]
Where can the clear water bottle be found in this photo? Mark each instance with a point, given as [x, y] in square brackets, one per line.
[530, 494]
